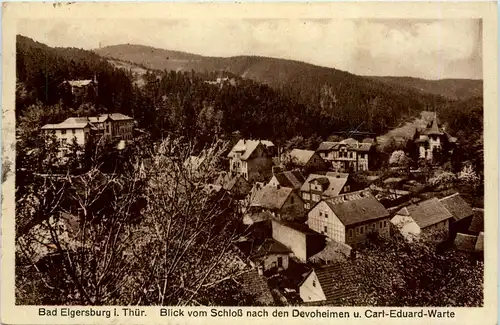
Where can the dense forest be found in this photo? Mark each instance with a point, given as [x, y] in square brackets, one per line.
[310, 103]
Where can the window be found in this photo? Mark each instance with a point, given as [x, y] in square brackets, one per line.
[350, 232]
[326, 229]
[357, 231]
[320, 214]
[307, 206]
[63, 132]
[385, 223]
[107, 128]
[361, 230]
[73, 131]
[291, 200]
[280, 261]
[326, 215]
[380, 225]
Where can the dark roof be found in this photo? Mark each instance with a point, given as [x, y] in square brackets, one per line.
[433, 129]
[338, 281]
[292, 179]
[477, 223]
[247, 147]
[356, 207]
[300, 227]
[335, 182]
[332, 252]
[457, 206]
[256, 285]
[270, 246]
[271, 197]
[429, 212]
[480, 242]
[465, 242]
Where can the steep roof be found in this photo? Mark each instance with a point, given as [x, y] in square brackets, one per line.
[247, 147]
[338, 281]
[356, 207]
[326, 146]
[477, 223]
[270, 246]
[256, 286]
[271, 197]
[433, 129]
[457, 206]
[332, 252]
[480, 242]
[465, 242]
[335, 184]
[301, 157]
[429, 212]
[293, 179]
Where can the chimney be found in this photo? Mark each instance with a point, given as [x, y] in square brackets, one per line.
[260, 270]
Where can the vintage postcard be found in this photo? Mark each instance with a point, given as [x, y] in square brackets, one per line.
[260, 162]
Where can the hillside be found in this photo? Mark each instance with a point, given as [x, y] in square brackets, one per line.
[280, 73]
[456, 89]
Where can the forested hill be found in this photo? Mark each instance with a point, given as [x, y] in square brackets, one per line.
[306, 100]
[460, 89]
[280, 73]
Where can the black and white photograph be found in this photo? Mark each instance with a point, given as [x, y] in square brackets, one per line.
[292, 162]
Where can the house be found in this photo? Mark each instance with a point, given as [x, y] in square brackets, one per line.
[349, 218]
[114, 126]
[81, 88]
[477, 222]
[307, 160]
[291, 179]
[320, 186]
[301, 240]
[464, 242]
[428, 217]
[270, 256]
[460, 210]
[236, 186]
[255, 285]
[252, 159]
[282, 202]
[333, 284]
[77, 130]
[348, 155]
[83, 129]
[433, 139]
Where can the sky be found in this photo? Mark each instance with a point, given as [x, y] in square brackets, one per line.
[430, 49]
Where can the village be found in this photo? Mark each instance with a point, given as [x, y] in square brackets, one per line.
[308, 213]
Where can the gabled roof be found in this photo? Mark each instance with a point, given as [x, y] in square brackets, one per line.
[301, 157]
[351, 143]
[335, 185]
[332, 252]
[356, 207]
[457, 206]
[228, 182]
[256, 286]
[292, 179]
[247, 147]
[465, 242]
[433, 128]
[338, 281]
[477, 223]
[480, 242]
[269, 247]
[427, 213]
[271, 197]
[326, 146]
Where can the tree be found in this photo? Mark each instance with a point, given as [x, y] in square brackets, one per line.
[155, 241]
[398, 158]
[395, 272]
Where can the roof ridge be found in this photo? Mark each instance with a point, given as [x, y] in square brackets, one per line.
[449, 196]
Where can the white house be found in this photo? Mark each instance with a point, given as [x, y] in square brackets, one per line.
[252, 159]
[427, 217]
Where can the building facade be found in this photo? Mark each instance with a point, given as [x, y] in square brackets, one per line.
[433, 139]
[348, 155]
[349, 218]
[318, 187]
[252, 159]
